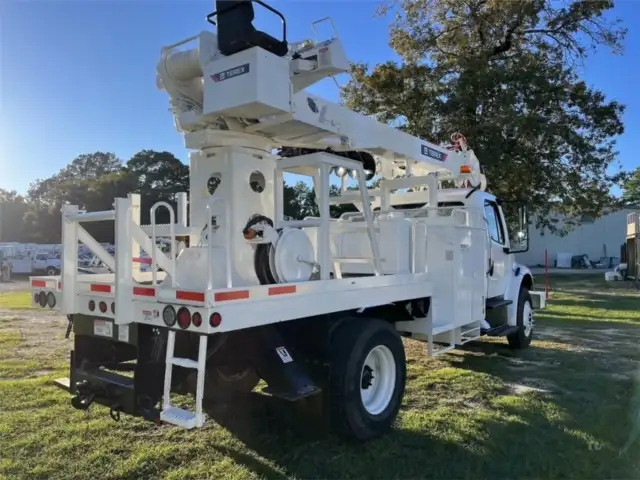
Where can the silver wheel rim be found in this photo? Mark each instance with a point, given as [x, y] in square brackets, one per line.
[527, 319]
[377, 380]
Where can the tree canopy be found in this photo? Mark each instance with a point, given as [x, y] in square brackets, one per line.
[93, 180]
[506, 75]
[631, 193]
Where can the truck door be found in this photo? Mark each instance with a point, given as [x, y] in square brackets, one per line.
[498, 265]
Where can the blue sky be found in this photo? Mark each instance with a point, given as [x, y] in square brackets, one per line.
[77, 76]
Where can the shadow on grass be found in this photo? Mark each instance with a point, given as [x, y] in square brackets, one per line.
[573, 425]
[302, 451]
[592, 393]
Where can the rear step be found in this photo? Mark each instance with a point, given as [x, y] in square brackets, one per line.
[497, 302]
[501, 331]
[178, 416]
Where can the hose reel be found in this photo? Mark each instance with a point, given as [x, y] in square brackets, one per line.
[280, 256]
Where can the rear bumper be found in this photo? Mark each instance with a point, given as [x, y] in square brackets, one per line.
[89, 385]
[123, 376]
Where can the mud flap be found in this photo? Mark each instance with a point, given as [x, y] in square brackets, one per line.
[277, 365]
[538, 299]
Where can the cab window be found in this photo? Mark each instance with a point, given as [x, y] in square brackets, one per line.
[492, 215]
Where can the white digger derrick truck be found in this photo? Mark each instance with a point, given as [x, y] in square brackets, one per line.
[315, 306]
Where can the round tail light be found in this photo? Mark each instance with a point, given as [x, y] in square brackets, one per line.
[184, 318]
[169, 315]
[103, 307]
[215, 319]
[51, 300]
[92, 305]
[36, 297]
[113, 308]
[42, 299]
[196, 319]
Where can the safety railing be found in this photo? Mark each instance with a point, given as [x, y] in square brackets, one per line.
[319, 166]
[154, 244]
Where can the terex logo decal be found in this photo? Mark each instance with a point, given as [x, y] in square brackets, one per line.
[232, 72]
[433, 153]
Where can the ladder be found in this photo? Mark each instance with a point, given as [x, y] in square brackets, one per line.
[175, 415]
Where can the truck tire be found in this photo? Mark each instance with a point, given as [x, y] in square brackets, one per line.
[367, 378]
[522, 338]
[52, 271]
[222, 382]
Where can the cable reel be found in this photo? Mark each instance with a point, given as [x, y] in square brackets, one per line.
[281, 256]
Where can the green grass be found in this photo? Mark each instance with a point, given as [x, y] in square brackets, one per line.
[567, 407]
[18, 300]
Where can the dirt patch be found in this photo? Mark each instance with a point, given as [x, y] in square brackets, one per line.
[519, 389]
[42, 331]
[16, 284]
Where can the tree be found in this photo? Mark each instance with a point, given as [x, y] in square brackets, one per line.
[86, 167]
[631, 194]
[90, 181]
[158, 176]
[12, 210]
[505, 74]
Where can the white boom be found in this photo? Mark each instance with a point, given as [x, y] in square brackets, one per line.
[256, 92]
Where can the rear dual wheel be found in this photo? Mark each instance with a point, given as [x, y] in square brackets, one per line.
[368, 374]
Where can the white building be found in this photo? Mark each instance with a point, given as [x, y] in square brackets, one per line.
[599, 238]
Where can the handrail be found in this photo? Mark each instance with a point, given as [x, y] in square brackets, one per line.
[227, 212]
[154, 246]
[259, 2]
[181, 42]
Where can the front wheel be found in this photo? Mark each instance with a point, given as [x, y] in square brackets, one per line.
[522, 338]
[368, 374]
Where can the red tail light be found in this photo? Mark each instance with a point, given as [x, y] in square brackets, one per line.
[42, 300]
[196, 319]
[103, 307]
[92, 305]
[184, 318]
[215, 319]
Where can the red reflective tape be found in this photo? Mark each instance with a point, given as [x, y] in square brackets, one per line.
[100, 288]
[144, 291]
[39, 283]
[143, 260]
[191, 296]
[282, 290]
[59, 285]
[236, 295]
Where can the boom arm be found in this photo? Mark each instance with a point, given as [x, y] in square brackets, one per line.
[255, 92]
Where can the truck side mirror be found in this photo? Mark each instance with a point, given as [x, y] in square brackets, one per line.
[517, 220]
